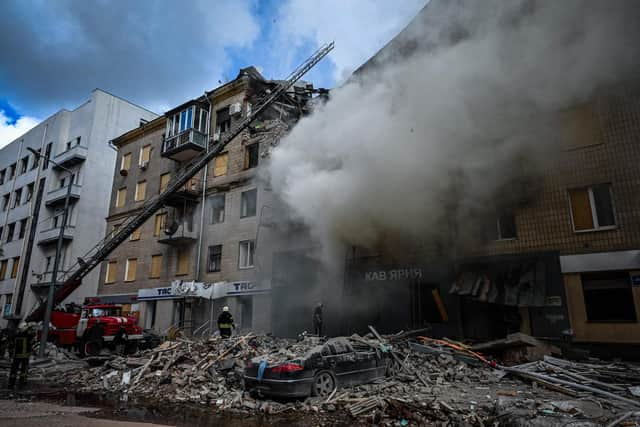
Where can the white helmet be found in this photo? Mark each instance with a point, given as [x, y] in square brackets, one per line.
[225, 308]
[23, 326]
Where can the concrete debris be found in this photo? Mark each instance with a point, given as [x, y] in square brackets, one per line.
[436, 384]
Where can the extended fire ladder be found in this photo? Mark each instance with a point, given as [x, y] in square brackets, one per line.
[72, 279]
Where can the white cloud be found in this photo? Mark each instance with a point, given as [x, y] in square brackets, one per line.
[9, 132]
[359, 27]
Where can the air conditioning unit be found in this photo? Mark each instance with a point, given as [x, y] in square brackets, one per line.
[235, 108]
[144, 165]
[124, 172]
[216, 136]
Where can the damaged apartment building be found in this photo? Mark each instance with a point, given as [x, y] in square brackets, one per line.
[209, 246]
[563, 265]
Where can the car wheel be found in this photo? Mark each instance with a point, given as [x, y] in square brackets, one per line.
[323, 384]
[393, 367]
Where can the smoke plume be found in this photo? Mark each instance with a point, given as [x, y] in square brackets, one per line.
[438, 137]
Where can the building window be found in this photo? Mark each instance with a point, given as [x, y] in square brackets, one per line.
[506, 227]
[14, 267]
[3, 268]
[47, 156]
[7, 304]
[130, 268]
[141, 191]
[110, 276]
[16, 198]
[248, 203]
[12, 171]
[10, 229]
[78, 138]
[592, 208]
[608, 297]
[36, 160]
[145, 155]
[5, 201]
[135, 235]
[215, 257]
[29, 192]
[251, 156]
[161, 222]
[3, 172]
[220, 164]
[217, 203]
[1, 230]
[164, 181]
[125, 163]
[24, 165]
[183, 262]
[156, 266]
[121, 197]
[247, 250]
[47, 264]
[23, 228]
[223, 120]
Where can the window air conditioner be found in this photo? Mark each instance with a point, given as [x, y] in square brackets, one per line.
[144, 165]
[235, 108]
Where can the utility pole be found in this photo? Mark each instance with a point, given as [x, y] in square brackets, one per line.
[56, 263]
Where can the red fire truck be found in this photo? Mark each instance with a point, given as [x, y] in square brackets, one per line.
[94, 327]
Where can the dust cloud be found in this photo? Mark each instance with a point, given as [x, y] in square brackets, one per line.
[436, 138]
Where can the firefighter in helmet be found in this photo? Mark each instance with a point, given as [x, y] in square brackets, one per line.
[22, 345]
[225, 323]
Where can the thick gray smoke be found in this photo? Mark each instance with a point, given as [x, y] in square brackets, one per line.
[439, 137]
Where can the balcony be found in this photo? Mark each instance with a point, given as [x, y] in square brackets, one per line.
[72, 156]
[47, 237]
[58, 195]
[43, 281]
[184, 145]
[182, 237]
[188, 194]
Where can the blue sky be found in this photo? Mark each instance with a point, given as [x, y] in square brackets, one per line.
[159, 54]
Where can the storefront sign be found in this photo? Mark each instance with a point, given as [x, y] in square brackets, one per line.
[156, 293]
[395, 274]
[244, 288]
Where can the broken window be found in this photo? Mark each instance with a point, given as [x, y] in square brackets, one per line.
[506, 227]
[130, 269]
[110, 276]
[23, 229]
[248, 203]
[220, 164]
[215, 258]
[15, 267]
[251, 155]
[223, 121]
[592, 208]
[24, 165]
[183, 262]
[47, 156]
[247, 250]
[29, 192]
[608, 297]
[217, 203]
[125, 163]
[10, 229]
[156, 266]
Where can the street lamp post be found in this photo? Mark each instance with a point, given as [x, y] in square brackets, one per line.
[56, 262]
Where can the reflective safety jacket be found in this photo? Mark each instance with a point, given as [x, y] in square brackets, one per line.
[22, 345]
[225, 320]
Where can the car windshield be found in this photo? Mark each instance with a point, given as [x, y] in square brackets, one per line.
[99, 312]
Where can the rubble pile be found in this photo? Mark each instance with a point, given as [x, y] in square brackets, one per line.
[430, 382]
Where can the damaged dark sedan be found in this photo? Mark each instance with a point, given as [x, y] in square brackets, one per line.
[339, 362]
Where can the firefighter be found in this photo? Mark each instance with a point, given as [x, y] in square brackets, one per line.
[225, 323]
[22, 348]
[317, 319]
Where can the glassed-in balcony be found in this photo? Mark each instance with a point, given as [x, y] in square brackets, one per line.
[186, 133]
[72, 156]
[43, 281]
[179, 236]
[187, 194]
[50, 236]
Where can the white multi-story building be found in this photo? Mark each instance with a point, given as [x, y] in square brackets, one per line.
[33, 191]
